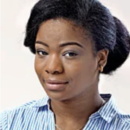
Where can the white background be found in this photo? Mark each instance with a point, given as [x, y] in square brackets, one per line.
[19, 81]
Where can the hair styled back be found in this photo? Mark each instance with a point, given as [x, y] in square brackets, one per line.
[106, 31]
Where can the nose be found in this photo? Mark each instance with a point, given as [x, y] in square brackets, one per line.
[54, 65]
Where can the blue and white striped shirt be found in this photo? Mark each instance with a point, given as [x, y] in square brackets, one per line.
[36, 115]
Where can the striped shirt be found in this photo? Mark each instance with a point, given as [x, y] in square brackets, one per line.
[36, 115]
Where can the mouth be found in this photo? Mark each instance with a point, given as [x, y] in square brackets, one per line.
[55, 85]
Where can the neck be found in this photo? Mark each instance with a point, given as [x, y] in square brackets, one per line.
[80, 107]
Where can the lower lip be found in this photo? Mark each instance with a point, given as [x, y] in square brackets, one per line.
[56, 87]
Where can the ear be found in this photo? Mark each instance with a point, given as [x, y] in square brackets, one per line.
[102, 56]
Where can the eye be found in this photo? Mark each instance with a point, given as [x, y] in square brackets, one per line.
[70, 54]
[41, 53]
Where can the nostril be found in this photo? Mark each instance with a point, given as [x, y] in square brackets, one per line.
[54, 72]
[47, 71]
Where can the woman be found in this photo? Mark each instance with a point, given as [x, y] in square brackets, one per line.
[74, 41]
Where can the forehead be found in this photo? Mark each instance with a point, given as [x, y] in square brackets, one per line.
[58, 30]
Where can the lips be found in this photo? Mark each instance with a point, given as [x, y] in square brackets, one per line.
[56, 85]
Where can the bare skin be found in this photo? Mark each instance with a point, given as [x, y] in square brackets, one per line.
[75, 66]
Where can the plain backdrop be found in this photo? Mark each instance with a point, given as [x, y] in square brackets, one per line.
[19, 81]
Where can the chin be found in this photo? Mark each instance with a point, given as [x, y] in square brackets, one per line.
[58, 96]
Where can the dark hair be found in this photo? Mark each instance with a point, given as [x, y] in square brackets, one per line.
[106, 31]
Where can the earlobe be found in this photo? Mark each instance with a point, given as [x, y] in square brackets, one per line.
[102, 59]
[101, 69]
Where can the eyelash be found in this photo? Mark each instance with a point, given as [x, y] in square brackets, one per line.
[38, 52]
[73, 53]
[45, 53]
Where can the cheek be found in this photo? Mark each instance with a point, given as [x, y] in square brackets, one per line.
[83, 72]
[37, 67]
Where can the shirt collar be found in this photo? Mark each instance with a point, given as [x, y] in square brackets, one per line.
[42, 102]
[107, 112]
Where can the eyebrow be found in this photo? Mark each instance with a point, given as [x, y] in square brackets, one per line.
[62, 45]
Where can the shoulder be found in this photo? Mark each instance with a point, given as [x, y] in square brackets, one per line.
[23, 107]
[116, 119]
[125, 118]
[20, 113]
[123, 121]
[16, 109]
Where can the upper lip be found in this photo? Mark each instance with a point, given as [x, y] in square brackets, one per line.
[55, 81]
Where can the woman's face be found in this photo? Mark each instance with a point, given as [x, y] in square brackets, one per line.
[64, 60]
